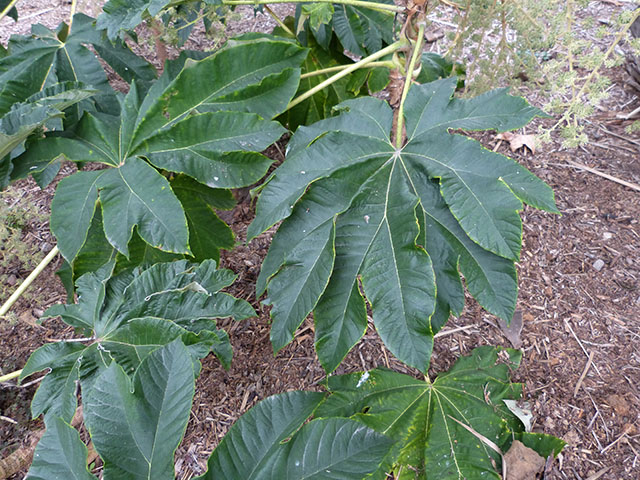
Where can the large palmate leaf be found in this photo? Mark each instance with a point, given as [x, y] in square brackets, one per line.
[358, 210]
[211, 131]
[265, 443]
[440, 429]
[129, 316]
[47, 57]
[137, 426]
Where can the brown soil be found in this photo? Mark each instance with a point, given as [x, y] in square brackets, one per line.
[579, 298]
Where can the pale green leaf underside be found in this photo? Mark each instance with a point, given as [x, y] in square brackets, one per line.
[345, 170]
[136, 428]
[60, 454]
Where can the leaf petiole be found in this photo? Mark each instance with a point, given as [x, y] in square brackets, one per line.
[279, 21]
[7, 9]
[10, 376]
[74, 4]
[417, 49]
[338, 68]
[346, 71]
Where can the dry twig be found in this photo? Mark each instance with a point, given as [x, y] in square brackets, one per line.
[634, 186]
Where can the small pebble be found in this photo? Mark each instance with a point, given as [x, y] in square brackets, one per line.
[607, 235]
[598, 264]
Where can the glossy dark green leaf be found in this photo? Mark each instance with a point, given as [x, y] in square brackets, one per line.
[329, 448]
[258, 445]
[362, 30]
[199, 146]
[137, 426]
[441, 195]
[430, 422]
[60, 454]
[207, 232]
[238, 75]
[433, 67]
[545, 445]
[56, 394]
[72, 209]
[137, 195]
[253, 440]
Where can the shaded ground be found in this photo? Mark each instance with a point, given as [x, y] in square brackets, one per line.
[579, 298]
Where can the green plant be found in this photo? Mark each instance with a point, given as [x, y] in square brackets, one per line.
[392, 203]
[126, 317]
[210, 133]
[378, 213]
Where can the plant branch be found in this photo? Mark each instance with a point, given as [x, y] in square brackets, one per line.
[351, 68]
[279, 21]
[28, 281]
[417, 50]
[353, 3]
[4, 12]
[10, 376]
[338, 68]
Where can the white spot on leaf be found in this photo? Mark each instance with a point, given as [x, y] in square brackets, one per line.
[363, 378]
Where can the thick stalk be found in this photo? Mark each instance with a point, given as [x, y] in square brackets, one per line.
[338, 68]
[417, 50]
[353, 3]
[4, 12]
[351, 68]
[10, 376]
[28, 281]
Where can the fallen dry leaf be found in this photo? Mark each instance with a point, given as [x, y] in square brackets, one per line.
[513, 330]
[517, 141]
[522, 462]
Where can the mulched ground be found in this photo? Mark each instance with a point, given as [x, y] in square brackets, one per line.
[579, 298]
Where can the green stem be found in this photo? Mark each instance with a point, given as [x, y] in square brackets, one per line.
[351, 68]
[192, 22]
[417, 50]
[353, 3]
[279, 21]
[7, 8]
[74, 4]
[338, 68]
[10, 376]
[28, 281]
